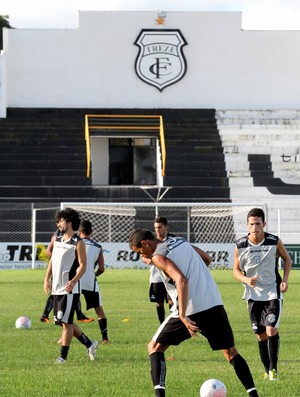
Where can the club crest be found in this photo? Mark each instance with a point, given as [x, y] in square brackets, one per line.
[160, 61]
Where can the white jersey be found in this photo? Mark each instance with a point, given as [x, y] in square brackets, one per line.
[64, 264]
[155, 276]
[203, 292]
[89, 281]
[260, 259]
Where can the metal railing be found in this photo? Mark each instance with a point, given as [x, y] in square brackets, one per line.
[137, 125]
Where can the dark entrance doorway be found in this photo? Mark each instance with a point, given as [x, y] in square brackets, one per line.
[132, 161]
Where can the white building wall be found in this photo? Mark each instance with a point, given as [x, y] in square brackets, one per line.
[94, 66]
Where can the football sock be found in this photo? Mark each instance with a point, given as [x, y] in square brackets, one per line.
[79, 313]
[274, 344]
[48, 306]
[160, 313]
[264, 354]
[64, 350]
[243, 373]
[103, 327]
[158, 373]
[85, 340]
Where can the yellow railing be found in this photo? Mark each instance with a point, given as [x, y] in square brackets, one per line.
[136, 123]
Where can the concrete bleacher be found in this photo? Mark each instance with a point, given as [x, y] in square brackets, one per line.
[262, 154]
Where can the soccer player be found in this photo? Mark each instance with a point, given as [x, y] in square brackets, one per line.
[89, 285]
[256, 266]
[66, 266]
[157, 289]
[197, 306]
[81, 318]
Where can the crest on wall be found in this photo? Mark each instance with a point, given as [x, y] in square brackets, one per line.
[160, 61]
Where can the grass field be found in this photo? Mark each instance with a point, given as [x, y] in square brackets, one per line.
[122, 367]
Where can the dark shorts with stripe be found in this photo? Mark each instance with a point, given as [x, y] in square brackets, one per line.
[264, 313]
[213, 323]
[158, 293]
[92, 298]
[64, 307]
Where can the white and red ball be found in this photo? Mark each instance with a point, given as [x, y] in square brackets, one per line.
[23, 322]
[213, 388]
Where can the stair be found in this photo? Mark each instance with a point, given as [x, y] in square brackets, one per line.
[195, 166]
[43, 163]
[262, 162]
[43, 157]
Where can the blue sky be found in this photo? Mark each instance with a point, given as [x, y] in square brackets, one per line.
[257, 14]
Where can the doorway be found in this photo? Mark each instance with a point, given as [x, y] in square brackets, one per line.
[132, 161]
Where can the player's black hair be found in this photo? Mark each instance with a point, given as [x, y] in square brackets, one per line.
[69, 215]
[161, 219]
[138, 235]
[85, 227]
[256, 212]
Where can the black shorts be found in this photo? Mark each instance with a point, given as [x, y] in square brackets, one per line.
[158, 293]
[264, 313]
[92, 299]
[213, 323]
[64, 307]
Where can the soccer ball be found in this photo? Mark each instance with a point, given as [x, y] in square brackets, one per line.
[213, 388]
[23, 322]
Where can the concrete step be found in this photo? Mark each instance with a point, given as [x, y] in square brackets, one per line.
[195, 165]
[19, 164]
[217, 157]
[195, 181]
[287, 150]
[34, 149]
[198, 172]
[42, 156]
[197, 150]
[46, 181]
[244, 133]
[51, 172]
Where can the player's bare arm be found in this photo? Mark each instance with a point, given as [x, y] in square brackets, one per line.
[51, 245]
[287, 264]
[81, 255]
[47, 277]
[181, 282]
[204, 255]
[100, 263]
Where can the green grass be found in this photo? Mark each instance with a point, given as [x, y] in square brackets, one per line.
[27, 366]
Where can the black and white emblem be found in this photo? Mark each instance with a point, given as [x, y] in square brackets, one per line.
[160, 61]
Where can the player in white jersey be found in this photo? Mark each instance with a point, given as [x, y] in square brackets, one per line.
[157, 290]
[256, 266]
[197, 306]
[89, 285]
[81, 318]
[66, 266]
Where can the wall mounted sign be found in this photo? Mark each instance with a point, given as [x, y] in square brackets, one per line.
[160, 61]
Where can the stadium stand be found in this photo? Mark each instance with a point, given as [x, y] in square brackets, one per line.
[44, 157]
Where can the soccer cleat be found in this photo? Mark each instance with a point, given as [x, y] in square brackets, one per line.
[273, 375]
[266, 375]
[60, 360]
[85, 320]
[92, 350]
[105, 341]
[44, 319]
